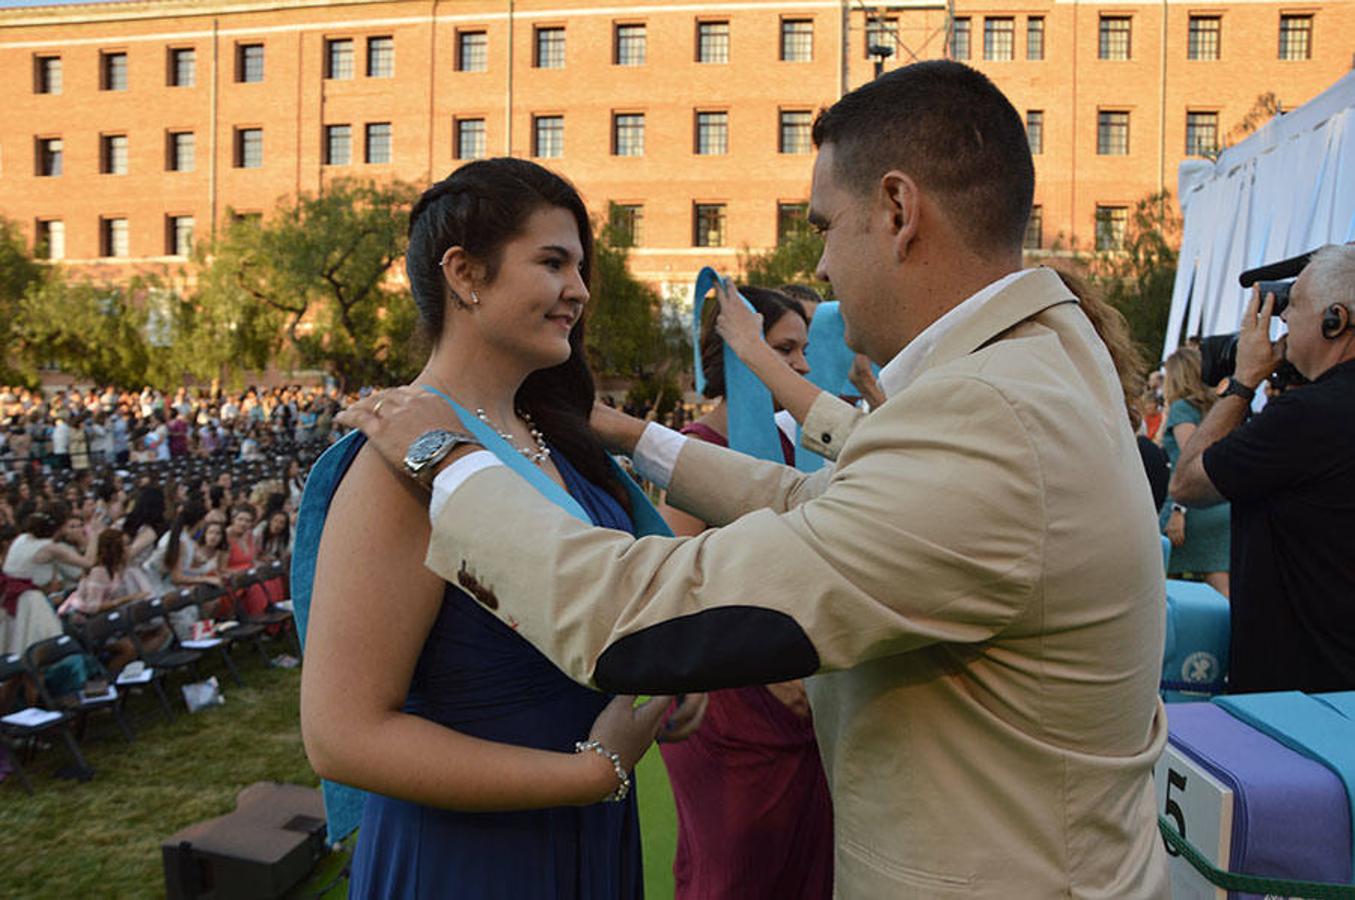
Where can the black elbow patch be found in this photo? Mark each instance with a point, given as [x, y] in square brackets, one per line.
[732, 646]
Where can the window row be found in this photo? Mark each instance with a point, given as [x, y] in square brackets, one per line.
[1112, 132]
[181, 64]
[710, 134]
[180, 152]
[709, 223]
[114, 237]
[1204, 36]
[630, 44]
[1109, 229]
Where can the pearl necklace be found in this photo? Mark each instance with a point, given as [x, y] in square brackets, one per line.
[539, 455]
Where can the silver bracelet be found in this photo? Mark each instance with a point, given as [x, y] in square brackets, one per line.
[614, 758]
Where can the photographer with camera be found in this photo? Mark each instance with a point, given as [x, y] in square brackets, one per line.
[1289, 473]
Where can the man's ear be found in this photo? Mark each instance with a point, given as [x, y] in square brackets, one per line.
[461, 274]
[901, 205]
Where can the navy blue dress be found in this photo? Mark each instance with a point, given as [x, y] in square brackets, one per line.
[478, 676]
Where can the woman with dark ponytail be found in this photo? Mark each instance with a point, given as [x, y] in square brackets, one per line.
[464, 735]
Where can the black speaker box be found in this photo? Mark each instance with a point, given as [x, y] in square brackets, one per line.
[265, 847]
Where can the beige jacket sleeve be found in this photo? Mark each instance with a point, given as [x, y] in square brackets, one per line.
[828, 424]
[930, 529]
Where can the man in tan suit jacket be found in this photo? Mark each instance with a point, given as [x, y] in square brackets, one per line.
[976, 586]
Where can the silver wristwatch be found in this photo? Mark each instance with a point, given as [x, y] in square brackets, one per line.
[431, 448]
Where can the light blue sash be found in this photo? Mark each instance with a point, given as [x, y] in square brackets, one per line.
[752, 423]
[343, 803]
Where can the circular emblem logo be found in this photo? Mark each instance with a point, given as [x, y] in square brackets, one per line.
[1200, 667]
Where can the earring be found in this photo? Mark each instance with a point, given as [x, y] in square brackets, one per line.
[474, 298]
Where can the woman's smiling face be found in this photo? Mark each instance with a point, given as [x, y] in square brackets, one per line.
[538, 294]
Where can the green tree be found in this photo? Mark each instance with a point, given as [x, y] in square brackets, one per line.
[94, 331]
[792, 261]
[312, 285]
[19, 272]
[1138, 278]
[631, 334]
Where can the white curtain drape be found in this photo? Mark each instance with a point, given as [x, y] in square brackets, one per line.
[1286, 189]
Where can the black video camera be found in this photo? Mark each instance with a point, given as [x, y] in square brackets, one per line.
[1218, 353]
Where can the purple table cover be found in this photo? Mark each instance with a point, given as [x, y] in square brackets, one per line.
[1291, 817]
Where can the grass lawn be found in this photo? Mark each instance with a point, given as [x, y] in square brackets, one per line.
[102, 838]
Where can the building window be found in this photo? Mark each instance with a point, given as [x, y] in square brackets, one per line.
[181, 67]
[548, 136]
[377, 147]
[179, 235]
[182, 151]
[1110, 224]
[1035, 37]
[249, 148]
[472, 51]
[1202, 133]
[708, 221]
[113, 154]
[629, 45]
[1296, 37]
[113, 239]
[959, 38]
[381, 57]
[712, 133]
[1203, 41]
[881, 32]
[712, 42]
[51, 239]
[1035, 131]
[795, 128]
[628, 134]
[1112, 133]
[470, 139]
[47, 74]
[249, 63]
[797, 40]
[1115, 38]
[791, 219]
[113, 71]
[51, 152]
[339, 58]
[1034, 238]
[627, 221]
[999, 38]
[338, 145]
[550, 48]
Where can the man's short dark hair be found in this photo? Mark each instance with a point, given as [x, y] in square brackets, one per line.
[953, 131]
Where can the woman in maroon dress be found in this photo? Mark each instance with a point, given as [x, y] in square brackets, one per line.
[754, 816]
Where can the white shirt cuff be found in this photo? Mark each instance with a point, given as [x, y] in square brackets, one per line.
[656, 453]
[455, 475]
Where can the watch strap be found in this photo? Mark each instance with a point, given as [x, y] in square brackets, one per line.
[1236, 388]
[424, 470]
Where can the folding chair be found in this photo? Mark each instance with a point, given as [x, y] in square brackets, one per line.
[248, 628]
[275, 614]
[169, 658]
[23, 726]
[113, 624]
[47, 653]
[177, 600]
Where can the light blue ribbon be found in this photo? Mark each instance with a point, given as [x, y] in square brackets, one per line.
[752, 423]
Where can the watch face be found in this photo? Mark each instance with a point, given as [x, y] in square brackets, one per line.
[426, 446]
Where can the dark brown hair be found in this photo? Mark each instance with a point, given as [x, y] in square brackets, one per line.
[953, 131]
[112, 550]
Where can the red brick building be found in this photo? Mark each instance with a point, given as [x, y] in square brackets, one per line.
[131, 129]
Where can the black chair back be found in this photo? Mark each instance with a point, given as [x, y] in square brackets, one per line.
[51, 651]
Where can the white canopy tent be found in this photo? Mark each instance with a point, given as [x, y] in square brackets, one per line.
[1286, 189]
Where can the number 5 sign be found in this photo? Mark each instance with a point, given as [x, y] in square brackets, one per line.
[1200, 807]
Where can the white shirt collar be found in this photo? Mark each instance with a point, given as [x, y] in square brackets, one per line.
[900, 372]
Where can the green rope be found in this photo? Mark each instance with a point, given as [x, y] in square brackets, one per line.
[1249, 884]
